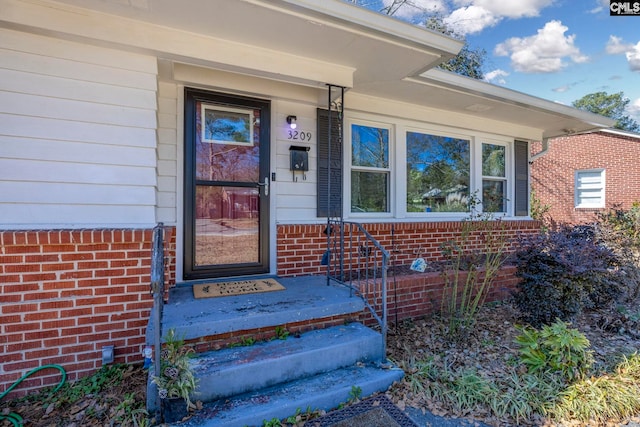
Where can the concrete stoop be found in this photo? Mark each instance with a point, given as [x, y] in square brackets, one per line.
[317, 370]
[243, 386]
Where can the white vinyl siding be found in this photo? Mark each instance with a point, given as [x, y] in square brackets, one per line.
[589, 188]
[166, 210]
[294, 193]
[77, 134]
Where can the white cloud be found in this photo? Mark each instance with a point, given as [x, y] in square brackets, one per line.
[470, 20]
[496, 76]
[633, 56]
[600, 6]
[616, 46]
[561, 89]
[544, 52]
[508, 9]
[466, 16]
[472, 16]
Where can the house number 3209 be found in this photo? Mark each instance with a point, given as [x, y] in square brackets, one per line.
[296, 135]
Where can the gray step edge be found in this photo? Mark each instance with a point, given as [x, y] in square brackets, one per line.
[322, 392]
[238, 370]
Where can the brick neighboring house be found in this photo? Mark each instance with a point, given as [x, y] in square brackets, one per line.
[115, 116]
[586, 173]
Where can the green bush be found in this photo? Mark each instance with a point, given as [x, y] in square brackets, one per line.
[555, 349]
[562, 272]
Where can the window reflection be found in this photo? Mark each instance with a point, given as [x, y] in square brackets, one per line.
[437, 173]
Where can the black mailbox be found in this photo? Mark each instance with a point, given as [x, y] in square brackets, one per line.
[299, 158]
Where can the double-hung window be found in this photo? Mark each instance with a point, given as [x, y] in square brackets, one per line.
[589, 188]
[410, 169]
[370, 168]
[494, 178]
[438, 173]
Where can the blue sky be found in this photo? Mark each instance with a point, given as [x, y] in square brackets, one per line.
[558, 50]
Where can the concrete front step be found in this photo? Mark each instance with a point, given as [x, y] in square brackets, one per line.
[234, 371]
[246, 385]
[324, 391]
[303, 300]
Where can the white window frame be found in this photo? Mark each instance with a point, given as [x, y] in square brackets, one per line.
[599, 187]
[447, 133]
[508, 179]
[351, 168]
[397, 173]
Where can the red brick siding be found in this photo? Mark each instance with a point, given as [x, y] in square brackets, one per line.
[418, 295]
[552, 175]
[300, 247]
[66, 293]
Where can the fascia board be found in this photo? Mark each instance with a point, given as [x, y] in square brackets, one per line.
[508, 96]
[374, 24]
[621, 132]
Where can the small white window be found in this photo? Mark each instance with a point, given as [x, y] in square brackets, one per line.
[494, 178]
[589, 188]
[370, 168]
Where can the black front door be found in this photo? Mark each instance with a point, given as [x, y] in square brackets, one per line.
[226, 218]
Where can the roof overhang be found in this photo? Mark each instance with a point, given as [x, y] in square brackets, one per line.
[303, 42]
[462, 95]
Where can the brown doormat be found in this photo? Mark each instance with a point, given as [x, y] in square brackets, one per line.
[376, 411]
[235, 287]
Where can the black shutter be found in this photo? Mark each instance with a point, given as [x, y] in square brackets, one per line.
[323, 198]
[521, 150]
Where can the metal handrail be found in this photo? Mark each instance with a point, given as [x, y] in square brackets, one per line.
[157, 289]
[357, 260]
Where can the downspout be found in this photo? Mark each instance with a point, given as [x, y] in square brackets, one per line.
[545, 149]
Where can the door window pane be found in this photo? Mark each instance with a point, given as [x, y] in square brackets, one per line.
[438, 173]
[226, 225]
[227, 160]
[226, 125]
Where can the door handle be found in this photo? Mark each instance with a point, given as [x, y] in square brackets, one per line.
[265, 184]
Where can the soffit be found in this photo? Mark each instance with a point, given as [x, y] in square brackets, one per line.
[332, 31]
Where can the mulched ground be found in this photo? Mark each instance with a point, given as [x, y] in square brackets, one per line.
[117, 404]
[490, 345]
